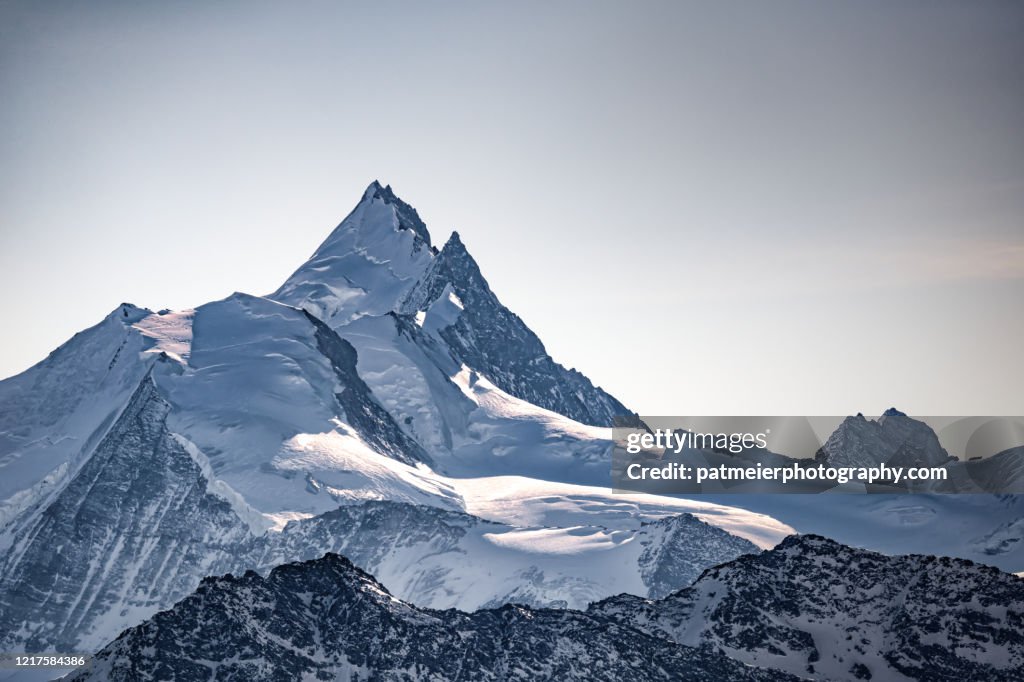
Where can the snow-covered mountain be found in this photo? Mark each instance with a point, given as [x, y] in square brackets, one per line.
[326, 619]
[157, 448]
[383, 404]
[278, 392]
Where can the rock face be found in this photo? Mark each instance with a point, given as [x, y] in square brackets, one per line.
[128, 534]
[358, 403]
[326, 619]
[491, 339]
[677, 549]
[822, 610]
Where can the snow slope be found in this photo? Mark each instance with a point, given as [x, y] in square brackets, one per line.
[447, 559]
[253, 414]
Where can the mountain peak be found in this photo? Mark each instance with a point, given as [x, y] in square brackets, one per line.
[808, 542]
[366, 265]
[455, 245]
[336, 566]
[492, 340]
[408, 218]
[128, 313]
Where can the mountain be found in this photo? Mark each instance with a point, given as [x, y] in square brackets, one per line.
[823, 610]
[894, 439]
[151, 448]
[677, 550]
[182, 444]
[373, 406]
[326, 619]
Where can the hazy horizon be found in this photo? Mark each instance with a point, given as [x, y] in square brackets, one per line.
[706, 208]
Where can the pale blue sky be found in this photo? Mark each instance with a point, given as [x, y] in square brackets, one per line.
[709, 208]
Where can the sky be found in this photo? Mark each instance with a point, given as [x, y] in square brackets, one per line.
[708, 208]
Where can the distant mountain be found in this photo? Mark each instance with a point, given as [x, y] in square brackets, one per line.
[326, 619]
[901, 441]
[825, 611]
[894, 439]
[1003, 471]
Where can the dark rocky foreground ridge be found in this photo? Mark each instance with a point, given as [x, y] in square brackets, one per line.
[809, 609]
[326, 619]
[824, 610]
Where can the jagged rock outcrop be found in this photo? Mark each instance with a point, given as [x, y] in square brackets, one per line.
[326, 619]
[129, 534]
[491, 339]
